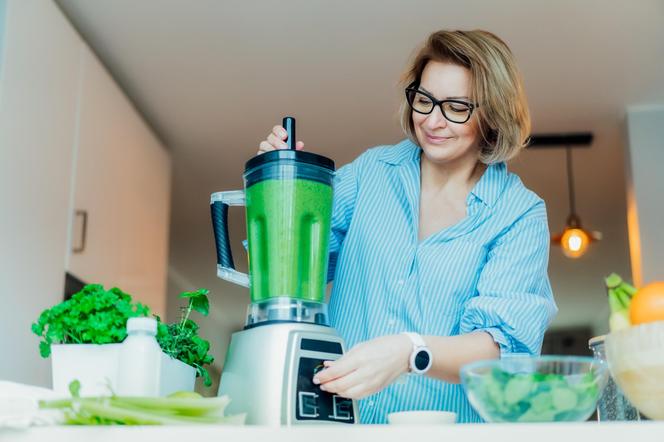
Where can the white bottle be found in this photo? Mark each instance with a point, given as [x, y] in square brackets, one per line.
[140, 359]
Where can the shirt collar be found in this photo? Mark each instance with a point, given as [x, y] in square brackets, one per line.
[400, 153]
[490, 186]
[488, 189]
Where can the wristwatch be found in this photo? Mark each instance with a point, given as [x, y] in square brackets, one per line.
[420, 358]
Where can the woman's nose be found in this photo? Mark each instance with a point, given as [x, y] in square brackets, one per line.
[436, 119]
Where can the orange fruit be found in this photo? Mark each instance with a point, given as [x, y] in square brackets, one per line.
[647, 304]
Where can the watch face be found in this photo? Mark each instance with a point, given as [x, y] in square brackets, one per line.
[422, 360]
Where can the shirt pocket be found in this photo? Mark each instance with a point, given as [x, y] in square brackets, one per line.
[449, 273]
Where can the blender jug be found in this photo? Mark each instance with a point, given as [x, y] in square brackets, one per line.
[288, 199]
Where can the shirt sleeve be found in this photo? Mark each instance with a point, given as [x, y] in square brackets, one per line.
[515, 303]
[345, 192]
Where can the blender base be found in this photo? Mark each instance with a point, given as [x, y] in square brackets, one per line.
[268, 375]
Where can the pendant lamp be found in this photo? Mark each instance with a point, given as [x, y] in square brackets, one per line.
[574, 239]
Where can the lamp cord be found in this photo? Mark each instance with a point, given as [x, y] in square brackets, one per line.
[570, 182]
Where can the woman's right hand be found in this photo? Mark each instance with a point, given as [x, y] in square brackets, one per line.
[277, 140]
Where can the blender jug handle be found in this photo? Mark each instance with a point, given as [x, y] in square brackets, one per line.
[219, 203]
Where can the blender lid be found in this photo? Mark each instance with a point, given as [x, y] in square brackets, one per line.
[297, 156]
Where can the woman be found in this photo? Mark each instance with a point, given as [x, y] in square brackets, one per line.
[438, 254]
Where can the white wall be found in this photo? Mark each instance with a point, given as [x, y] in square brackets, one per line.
[645, 192]
[3, 7]
[37, 109]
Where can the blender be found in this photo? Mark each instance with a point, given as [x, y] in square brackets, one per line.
[270, 364]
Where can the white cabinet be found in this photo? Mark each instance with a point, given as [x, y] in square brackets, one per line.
[145, 190]
[122, 187]
[70, 139]
[39, 83]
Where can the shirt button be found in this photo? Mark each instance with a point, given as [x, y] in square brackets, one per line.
[391, 322]
[370, 403]
[401, 282]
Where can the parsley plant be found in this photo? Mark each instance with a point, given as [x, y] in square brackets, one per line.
[91, 316]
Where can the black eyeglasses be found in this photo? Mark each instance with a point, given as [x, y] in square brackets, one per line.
[456, 111]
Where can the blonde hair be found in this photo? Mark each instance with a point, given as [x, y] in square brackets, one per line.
[496, 85]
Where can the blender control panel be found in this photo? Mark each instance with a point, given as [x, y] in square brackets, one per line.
[311, 403]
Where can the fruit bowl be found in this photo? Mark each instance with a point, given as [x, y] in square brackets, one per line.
[636, 360]
[535, 389]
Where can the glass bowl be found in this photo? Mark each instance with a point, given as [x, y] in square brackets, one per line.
[636, 360]
[535, 388]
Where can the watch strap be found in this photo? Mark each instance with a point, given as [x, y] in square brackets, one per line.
[416, 339]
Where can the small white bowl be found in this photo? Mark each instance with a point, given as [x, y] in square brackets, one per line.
[421, 417]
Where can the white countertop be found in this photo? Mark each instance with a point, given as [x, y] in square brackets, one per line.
[586, 432]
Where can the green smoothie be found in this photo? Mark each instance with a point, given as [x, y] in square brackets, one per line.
[288, 228]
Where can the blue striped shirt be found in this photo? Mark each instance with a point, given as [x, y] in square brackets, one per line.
[487, 272]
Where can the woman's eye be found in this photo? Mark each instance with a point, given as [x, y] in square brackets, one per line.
[423, 100]
[459, 108]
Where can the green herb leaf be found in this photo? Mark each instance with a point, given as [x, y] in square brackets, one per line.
[44, 349]
[201, 305]
[195, 294]
[75, 388]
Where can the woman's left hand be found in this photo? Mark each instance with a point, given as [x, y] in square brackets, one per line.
[366, 368]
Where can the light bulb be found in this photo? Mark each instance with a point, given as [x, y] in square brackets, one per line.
[574, 242]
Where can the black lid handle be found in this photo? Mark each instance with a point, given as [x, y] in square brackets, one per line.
[289, 125]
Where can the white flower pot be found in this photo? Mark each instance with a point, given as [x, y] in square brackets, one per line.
[96, 368]
[175, 376]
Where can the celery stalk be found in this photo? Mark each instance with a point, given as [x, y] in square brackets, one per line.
[628, 288]
[613, 280]
[615, 302]
[619, 321]
[188, 406]
[144, 410]
[625, 299]
[619, 304]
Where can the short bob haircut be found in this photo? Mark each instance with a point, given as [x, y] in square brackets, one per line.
[496, 85]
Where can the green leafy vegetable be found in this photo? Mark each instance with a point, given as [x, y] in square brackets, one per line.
[118, 410]
[534, 397]
[181, 340]
[92, 316]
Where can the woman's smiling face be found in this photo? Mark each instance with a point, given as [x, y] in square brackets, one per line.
[443, 141]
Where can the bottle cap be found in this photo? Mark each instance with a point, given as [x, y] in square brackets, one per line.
[142, 324]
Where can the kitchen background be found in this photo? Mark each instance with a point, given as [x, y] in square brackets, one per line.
[118, 118]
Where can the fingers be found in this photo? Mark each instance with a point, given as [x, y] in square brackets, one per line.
[277, 140]
[344, 384]
[264, 147]
[336, 369]
[280, 132]
[358, 391]
[355, 385]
